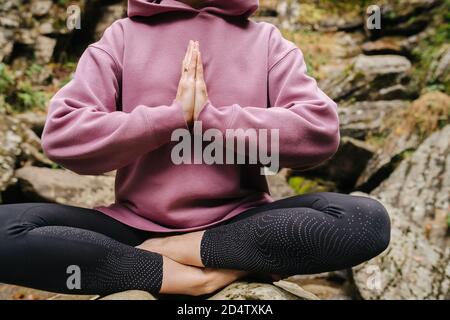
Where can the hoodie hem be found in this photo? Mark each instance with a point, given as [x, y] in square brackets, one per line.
[125, 215]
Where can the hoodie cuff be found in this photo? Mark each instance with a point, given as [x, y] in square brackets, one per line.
[165, 121]
[214, 118]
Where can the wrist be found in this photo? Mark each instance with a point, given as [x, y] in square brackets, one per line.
[199, 109]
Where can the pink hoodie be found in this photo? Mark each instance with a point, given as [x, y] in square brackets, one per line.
[119, 111]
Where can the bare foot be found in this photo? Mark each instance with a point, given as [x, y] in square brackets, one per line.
[154, 245]
[188, 280]
[184, 248]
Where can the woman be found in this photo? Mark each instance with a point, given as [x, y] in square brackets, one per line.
[189, 228]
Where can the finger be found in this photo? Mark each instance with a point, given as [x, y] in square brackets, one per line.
[186, 57]
[193, 61]
[189, 56]
[200, 74]
[183, 64]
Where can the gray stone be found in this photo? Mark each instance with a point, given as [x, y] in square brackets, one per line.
[386, 45]
[417, 263]
[340, 24]
[10, 141]
[345, 166]
[7, 5]
[66, 187]
[26, 36]
[10, 21]
[381, 65]
[130, 295]
[41, 8]
[439, 71]
[296, 289]
[71, 297]
[33, 119]
[44, 48]
[253, 291]
[404, 136]
[10, 292]
[322, 287]
[368, 76]
[279, 186]
[411, 268]
[6, 44]
[360, 119]
[109, 15]
[288, 14]
[46, 28]
[420, 186]
[406, 8]
[404, 17]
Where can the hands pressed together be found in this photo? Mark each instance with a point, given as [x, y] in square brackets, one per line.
[192, 93]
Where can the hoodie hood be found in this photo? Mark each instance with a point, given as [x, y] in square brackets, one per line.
[147, 8]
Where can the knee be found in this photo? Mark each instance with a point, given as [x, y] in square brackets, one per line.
[377, 225]
[15, 220]
[7, 223]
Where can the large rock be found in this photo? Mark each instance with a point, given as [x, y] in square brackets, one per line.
[420, 118]
[109, 15]
[10, 142]
[40, 8]
[360, 119]
[323, 286]
[403, 17]
[33, 119]
[19, 146]
[279, 186]
[43, 49]
[283, 13]
[439, 72]
[421, 185]
[345, 166]
[65, 187]
[378, 77]
[10, 292]
[417, 263]
[296, 289]
[130, 295]
[288, 14]
[386, 45]
[411, 268]
[253, 291]
[6, 43]
[31, 150]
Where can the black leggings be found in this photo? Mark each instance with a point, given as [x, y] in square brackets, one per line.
[300, 235]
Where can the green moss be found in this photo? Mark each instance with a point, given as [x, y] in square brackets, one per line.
[18, 95]
[6, 79]
[376, 139]
[56, 166]
[63, 3]
[302, 185]
[428, 51]
[317, 11]
[27, 97]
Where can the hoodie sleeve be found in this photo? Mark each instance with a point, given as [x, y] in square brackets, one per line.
[306, 118]
[84, 132]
